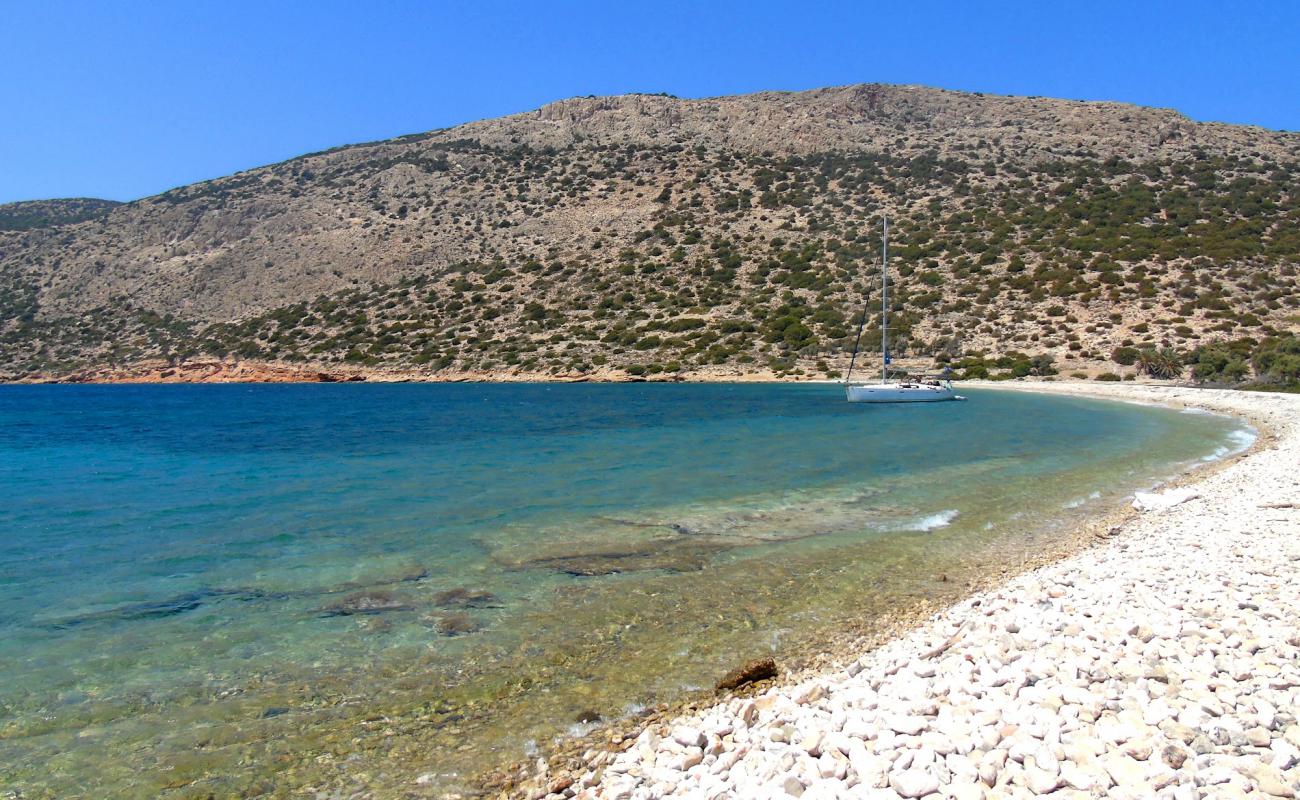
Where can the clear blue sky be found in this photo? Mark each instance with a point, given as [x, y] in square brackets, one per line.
[123, 99]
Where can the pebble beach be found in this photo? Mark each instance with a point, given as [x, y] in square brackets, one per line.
[1164, 661]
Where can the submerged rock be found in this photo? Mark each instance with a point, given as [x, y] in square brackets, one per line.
[370, 602]
[462, 597]
[670, 555]
[760, 669]
[456, 624]
[414, 575]
[376, 624]
[157, 609]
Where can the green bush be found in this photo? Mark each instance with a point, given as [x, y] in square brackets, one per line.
[1125, 356]
[1218, 363]
[1277, 360]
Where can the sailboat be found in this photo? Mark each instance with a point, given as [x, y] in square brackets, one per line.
[918, 390]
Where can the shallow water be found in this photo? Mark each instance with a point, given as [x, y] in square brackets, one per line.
[242, 590]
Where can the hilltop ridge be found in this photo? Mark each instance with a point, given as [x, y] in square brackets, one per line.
[866, 115]
[28, 214]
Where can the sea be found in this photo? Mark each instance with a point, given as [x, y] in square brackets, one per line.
[270, 590]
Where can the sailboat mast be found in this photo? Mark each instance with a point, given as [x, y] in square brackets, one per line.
[884, 302]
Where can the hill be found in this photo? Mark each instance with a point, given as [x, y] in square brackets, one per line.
[647, 235]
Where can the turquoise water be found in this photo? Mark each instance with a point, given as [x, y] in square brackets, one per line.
[217, 589]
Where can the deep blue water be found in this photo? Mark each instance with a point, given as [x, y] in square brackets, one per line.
[156, 537]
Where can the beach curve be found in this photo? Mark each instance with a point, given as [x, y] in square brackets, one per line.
[1160, 663]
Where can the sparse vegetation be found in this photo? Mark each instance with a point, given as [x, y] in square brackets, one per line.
[33, 214]
[486, 249]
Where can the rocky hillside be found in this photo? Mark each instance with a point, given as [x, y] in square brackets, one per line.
[651, 236]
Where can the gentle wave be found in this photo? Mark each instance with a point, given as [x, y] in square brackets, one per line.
[1243, 438]
[1240, 440]
[1078, 501]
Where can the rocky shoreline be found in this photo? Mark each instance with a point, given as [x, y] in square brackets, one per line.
[236, 371]
[1162, 663]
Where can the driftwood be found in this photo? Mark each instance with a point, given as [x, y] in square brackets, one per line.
[1279, 505]
[951, 640]
[1108, 534]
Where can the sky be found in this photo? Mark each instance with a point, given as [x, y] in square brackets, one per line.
[122, 99]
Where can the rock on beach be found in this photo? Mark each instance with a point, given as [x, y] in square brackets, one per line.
[1162, 663]
[750, 672]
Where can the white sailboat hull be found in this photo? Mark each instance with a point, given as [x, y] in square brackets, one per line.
[898, 393]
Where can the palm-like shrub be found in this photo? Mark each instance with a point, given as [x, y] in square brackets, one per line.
[1164, 364]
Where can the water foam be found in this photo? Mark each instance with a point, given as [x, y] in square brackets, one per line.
[578, 729]
[1243, 438]
[1240, 439]
[1219, 452]
[932, 522]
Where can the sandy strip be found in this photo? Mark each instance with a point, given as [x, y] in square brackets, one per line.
[1164, 663]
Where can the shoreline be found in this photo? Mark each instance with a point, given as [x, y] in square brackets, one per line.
[216, 371]
[591, 766]
[219, 371]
